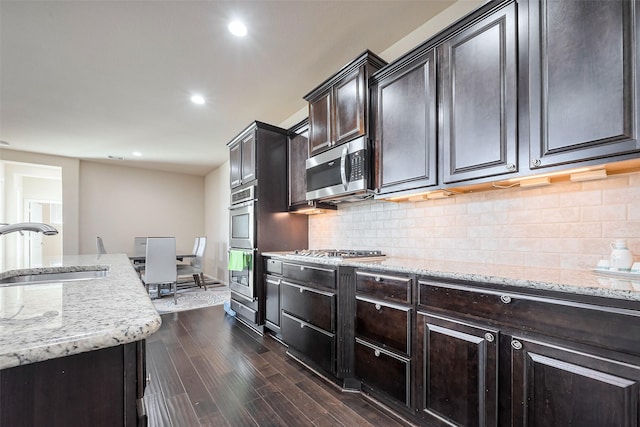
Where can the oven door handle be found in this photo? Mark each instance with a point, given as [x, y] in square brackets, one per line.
[343, 167]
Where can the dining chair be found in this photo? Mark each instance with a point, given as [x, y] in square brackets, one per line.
[195, 266]
[160, 264]
[100, 246]
[139, 249]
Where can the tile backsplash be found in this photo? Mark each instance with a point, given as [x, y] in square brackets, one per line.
[564, 225]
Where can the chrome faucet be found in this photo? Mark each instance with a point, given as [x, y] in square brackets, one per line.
[45, 229]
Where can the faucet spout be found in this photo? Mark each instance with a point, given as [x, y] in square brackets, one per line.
[40, 227]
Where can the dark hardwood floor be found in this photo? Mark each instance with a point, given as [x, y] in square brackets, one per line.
[208, 369]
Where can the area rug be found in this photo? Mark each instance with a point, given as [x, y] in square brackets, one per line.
[192, 298]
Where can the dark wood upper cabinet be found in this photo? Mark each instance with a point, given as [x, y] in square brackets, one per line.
[298, 153]
[242, 159]
[583, 84]
[338, 108]
[404, 112]
[478, 99]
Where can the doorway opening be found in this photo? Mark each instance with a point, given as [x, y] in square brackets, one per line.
[30, 193]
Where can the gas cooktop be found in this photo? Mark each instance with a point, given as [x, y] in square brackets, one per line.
[338, 253]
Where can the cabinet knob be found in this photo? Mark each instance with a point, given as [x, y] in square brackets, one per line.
[489, 337]
[511, 167]
[517, 345]
[378, 279]
[378, 307]
[148, 379]
[505, 299]
[301, 268]
[377, 353]
[536, 162]
[301, 325]
[301, 290]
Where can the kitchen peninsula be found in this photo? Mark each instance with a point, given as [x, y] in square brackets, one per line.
[72, 352]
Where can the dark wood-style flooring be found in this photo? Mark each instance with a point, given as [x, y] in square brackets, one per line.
[208, 369]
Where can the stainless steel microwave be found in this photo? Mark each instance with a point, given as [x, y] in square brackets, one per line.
[341, 173]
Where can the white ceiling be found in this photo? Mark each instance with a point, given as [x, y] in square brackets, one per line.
[93, 78]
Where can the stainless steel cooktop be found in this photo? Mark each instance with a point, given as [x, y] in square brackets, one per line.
[339, 253]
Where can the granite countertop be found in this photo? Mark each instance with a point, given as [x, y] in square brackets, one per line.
[56, 319]
[584, 282]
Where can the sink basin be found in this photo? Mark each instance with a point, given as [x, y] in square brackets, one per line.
[58, 276]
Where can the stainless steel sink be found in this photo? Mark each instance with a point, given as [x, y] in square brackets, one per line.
[58, 276]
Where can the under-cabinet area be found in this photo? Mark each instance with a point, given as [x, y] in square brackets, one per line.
[436, 349]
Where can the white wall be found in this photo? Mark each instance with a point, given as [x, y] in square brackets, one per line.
[119, 203]
[216, 199]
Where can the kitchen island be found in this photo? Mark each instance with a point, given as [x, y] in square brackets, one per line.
[72, 352]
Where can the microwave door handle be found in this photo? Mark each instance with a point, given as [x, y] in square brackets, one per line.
[343, 167]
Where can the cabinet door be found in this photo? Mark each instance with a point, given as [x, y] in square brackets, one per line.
[349, 98]
[320, 123]
[583, 85]
[298, 153]
[249, 158]
[235, 165]
[479, 99]
[405, 130]
[457, 366]
[556, 386]
[272, 305]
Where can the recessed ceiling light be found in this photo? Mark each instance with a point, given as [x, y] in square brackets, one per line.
[197, 99]
[237, 28]
[137, 153]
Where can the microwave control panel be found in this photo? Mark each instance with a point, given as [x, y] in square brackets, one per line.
[357, 166]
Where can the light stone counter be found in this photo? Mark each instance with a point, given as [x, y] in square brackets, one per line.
[570, 281]
[50, 320]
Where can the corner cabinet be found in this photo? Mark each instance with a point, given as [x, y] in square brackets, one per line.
[405, 116]
[478, 98]
[338, 109]
[583, 67]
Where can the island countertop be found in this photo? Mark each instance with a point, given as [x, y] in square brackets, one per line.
[589, 282]
[50, 320]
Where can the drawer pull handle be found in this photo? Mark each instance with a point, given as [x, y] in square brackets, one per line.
[378, 307]
[516, 344]
[505, 299]
[378, 279]
[301, 290]
[489, 337]
[301, 268]
[301, 325]
[377, 353]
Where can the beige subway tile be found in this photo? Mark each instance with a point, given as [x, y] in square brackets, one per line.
[569, 214]
[617, 212]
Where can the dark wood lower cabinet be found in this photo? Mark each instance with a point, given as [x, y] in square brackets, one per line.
[383, 371]
[457, 372]
[310, 342]
[557, 386]
[97, 388]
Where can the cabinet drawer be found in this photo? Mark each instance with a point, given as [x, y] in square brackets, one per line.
[384, 286]
[244, 311]
[310, 275]
[383, 371]
[311, 305]
[386, 324]
[607, 327]
[274, 266]
[316, 344]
